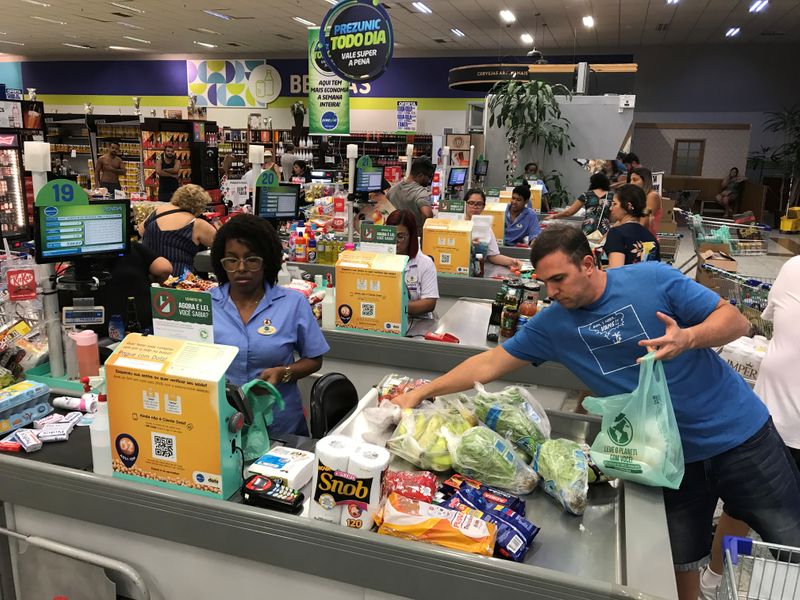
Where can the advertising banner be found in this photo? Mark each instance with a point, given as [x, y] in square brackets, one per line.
[243, 83]
[406, 116]
[182, 314]
[328, 94]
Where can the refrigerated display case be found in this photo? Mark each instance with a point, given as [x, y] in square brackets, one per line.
[13, 211]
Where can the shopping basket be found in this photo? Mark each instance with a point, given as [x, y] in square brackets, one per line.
[668, 245]
[759, 571]
[743, 239]
[747, 293]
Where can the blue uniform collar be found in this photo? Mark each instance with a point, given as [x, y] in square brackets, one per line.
[271, 294]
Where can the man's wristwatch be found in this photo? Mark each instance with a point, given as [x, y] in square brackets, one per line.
[287, 375]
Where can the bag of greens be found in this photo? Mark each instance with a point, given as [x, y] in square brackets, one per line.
[639, 440]
[564, 470]
[482, 454]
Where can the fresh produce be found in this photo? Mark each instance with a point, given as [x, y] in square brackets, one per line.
[482, 454]
[514, 414]
[563, 468]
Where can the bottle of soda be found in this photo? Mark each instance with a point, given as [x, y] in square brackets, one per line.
[527, 309]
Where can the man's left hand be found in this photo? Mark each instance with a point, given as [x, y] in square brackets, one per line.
[674, 341]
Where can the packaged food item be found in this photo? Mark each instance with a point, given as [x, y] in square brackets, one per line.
[513, 413]
[421, 436]
[498, 497]
[396, 385]
[482, 454]
[564, 471]
[28, 439]
[416, 485]
[415, 520]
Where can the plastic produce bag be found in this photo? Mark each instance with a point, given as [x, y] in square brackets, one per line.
[482, 454]
[639, 440]
[564, 471]
[421, 435]
[263, 398]
[515, 414]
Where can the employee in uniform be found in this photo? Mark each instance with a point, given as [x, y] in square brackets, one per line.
[270, 325]
[521, 224]
[420, 274]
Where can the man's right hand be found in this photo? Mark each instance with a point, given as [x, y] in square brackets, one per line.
[407, 400]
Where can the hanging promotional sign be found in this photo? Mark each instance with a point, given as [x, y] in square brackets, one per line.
[328, 94]
[357, 40]
[406, 116]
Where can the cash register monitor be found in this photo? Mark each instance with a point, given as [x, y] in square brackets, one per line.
[279, 202]
[369, 180]
[457, 177]
[481, 168]
[89, 231]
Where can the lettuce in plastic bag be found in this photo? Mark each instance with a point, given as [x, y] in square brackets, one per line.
[515, 414]
[564, 470]
[482, 454]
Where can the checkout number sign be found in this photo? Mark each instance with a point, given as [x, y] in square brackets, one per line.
[267, 179]
[61, 192]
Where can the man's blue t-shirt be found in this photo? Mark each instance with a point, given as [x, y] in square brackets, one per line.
[714, 407]
[526, 225]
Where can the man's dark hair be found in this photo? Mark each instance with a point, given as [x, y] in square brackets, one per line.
[631, 158]
[561, 238]
[288, 147]
[531, 164]
[112, 142]
[423, 166]
[523, 191]
[632, 199]
[474, 191]
[255, 233]
[599, 181]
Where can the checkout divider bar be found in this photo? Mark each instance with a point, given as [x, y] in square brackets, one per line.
[302, 545]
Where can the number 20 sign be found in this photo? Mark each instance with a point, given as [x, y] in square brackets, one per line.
[61, 192]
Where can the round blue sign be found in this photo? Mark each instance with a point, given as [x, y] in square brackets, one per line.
[329, 121]
[51, 211]
[200, 478]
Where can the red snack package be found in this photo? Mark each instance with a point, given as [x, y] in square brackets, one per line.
[416, 485]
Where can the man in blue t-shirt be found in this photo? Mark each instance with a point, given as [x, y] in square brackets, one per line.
[600, 325]
[521, 222]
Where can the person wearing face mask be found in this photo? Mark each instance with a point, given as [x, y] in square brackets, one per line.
[475, 199]
[643, 177]
[414, 194]
[168, 168]
[269, 324]
[628, 242]
[420, 274]
[109, 168]
[522, 224]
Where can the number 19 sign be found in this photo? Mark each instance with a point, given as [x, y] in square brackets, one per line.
[61, 192]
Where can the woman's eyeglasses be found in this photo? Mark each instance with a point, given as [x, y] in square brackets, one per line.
[475, 204]
[251, 263]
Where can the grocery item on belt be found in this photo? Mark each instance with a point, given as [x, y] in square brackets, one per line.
[513, 413]
[482, 454]
[416, 485]
[414, 520]
[498, 497]
[396, 385]
[564, 470]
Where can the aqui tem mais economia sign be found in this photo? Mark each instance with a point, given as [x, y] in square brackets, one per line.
[357, 39]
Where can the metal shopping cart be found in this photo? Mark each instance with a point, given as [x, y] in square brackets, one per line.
[669, 243]
[759, 571]
[743, 239]
[748, 294]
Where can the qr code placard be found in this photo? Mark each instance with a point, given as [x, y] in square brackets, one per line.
[444, 258]
[367, 310]
[164, 446]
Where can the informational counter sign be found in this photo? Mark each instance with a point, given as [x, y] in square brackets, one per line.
[452, 209]
[168, 415]
[406, 116]
[378, 238]
[182, 314]
[328, 94]
[357, 40]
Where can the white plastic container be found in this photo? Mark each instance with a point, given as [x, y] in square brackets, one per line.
[329, 308]
[100, 434]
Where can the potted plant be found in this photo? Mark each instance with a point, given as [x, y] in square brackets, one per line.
[531, 114]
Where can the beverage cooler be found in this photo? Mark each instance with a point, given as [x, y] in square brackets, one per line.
[205, 156]
[13, 211]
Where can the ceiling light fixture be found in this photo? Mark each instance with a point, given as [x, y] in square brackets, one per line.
[672, 1]
[507, 16]
[526, 38]
[219, 15]
[422, 7]
[588, 21]
[303, 21]
[457, 32]
[204, 30]
[125, 48]
[12, 43]
[205, 44]
[126, 7]
[135, 39]
[332, 1]
[45, 19]
[758, 6]
[36, 3]
[81, 46]
[129, 25]
[732, 32]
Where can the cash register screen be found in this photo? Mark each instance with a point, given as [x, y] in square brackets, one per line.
[369, 179]
[280, 202]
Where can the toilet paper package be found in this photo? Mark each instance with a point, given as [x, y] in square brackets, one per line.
[367, 465]
[744, 355]
[330, 481]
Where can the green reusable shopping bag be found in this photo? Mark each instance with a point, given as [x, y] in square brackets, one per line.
[639, 440]
[263, 398]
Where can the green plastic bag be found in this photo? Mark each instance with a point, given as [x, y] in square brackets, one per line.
[639, 440]
[263, 397]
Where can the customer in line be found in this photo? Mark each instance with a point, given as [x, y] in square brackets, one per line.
[596, 201]
[643, 177]
[168, 169]
[628, 242]
[475, 199]
[109, 168]
[176, 230]
[420, 273]
[630, 162]
[414, 193]
[287, 161]
[269, 324]
[521, 222]
[600, 325]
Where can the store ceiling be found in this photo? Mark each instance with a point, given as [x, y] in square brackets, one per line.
[41, 29]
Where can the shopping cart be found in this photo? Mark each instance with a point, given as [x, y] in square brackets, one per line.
[743, 239]
[748, 294]
[669, 243]
[759, 571]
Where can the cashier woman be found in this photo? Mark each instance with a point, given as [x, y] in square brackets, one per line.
[421, 282]
[277, 335]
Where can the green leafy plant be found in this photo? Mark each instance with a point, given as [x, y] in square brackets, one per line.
[784, 158]
[557, 194]
[531, 114]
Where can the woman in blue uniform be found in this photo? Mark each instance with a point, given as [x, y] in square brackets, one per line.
[277, 335]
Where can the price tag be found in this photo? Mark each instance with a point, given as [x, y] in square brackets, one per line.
[61, 192]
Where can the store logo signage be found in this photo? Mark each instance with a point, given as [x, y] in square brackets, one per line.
[329, 121]
[357, 40]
